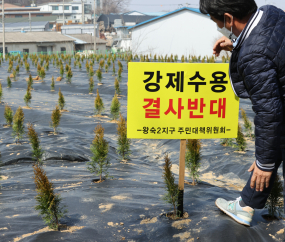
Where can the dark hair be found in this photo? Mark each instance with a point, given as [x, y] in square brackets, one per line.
[237, 8]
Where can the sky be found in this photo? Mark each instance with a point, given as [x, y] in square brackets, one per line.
[170, 5]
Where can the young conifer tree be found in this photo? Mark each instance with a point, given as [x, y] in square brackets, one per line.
[1, 92]
[91, 85]
[55, 119]
[69, 75]
[87, 66]
[99, 161]
[61, 101]
[99, 75]
[61, 70]
[52, 83]
[30, 82]
[28, 97]
[79, 65]
[17, 68]
[98, 103]
[193, 158]
[48, 202]
[247, 124]
[171, 195]
[123, 142]
[42, 73]
[120, 73]
[15, 74]
[241, 142]
[115, 107]
[35, 144]
[106, 68]
[18, 125]
[9, 83]
[114, 69]
[227, 142]
[117, 86]
[91, 71]
[8, 114]
[274, 202]
[27, 66]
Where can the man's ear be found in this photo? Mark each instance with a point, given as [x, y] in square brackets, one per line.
[228, 20]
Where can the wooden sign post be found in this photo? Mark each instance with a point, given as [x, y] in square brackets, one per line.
[181, 177]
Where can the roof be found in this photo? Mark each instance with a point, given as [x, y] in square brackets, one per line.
[196, 10]
[87, 38]
[133, 12]
[26, 19]
[25, 24]
[146, 13]
[26, 12]
[77, 26]
[126, 18]
[34, 37]
[21, 8]
[9, 5]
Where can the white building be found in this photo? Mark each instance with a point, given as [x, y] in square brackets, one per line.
[182, 32]
[72, 11]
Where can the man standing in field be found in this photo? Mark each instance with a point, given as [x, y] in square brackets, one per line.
[256, 38]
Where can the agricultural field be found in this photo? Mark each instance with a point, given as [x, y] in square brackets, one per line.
[126, 205]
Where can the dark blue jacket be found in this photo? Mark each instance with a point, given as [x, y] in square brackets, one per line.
[257, 71]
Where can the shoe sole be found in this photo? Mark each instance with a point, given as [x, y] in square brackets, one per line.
[239, 220]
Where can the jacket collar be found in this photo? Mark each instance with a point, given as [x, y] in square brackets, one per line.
[253, 21]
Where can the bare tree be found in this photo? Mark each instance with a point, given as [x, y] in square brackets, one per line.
[113, 6]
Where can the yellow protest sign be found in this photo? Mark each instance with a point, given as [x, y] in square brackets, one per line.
[181, 101]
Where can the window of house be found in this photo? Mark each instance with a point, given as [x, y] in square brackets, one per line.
[18, 16]
[75, 8]
[66, 7]
[74, 16]
[62, 49]
[26, 51]
[40, 15]
[54, 7]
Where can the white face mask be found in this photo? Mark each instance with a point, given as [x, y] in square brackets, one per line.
[224, 31]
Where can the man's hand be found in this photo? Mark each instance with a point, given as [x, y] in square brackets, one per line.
[222, 44]
[259, 178]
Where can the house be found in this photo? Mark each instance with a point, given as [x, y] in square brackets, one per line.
[79, 29]
[85, 42]
[185, 31]
[144, 13]
[126, 20]
[72, 11]
[50, 19]
[31, 42]
[24, 12]
[26, 26]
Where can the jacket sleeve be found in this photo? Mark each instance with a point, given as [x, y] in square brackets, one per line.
[261, 80]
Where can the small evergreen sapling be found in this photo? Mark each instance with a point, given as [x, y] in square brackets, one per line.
[193, 158]
[247, 124]
[99, 75]
[117, 86]
[8, 114]
[52, 83]
[227, 142]
[91, 85]
[114, 69]
[274, 202]
[30, 81]
[35, 143]
[98, 103]
[241, 142]
[123, 142]
[55, 119]
[42, 73]
[115, 107]
[171, 195]
[91, 71]
[61, 70]
[18, 125]
[69, 75]
[48, 202]
[9, 83]
[28, 97]
[61, 101]
[99, 161]
[120, 73]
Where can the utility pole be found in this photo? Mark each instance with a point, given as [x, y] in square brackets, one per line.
[63, 12]
[30, 20]
[3, 28]
[94, 26]
[83, 18]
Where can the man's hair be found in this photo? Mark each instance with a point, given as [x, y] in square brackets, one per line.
[217, 8]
